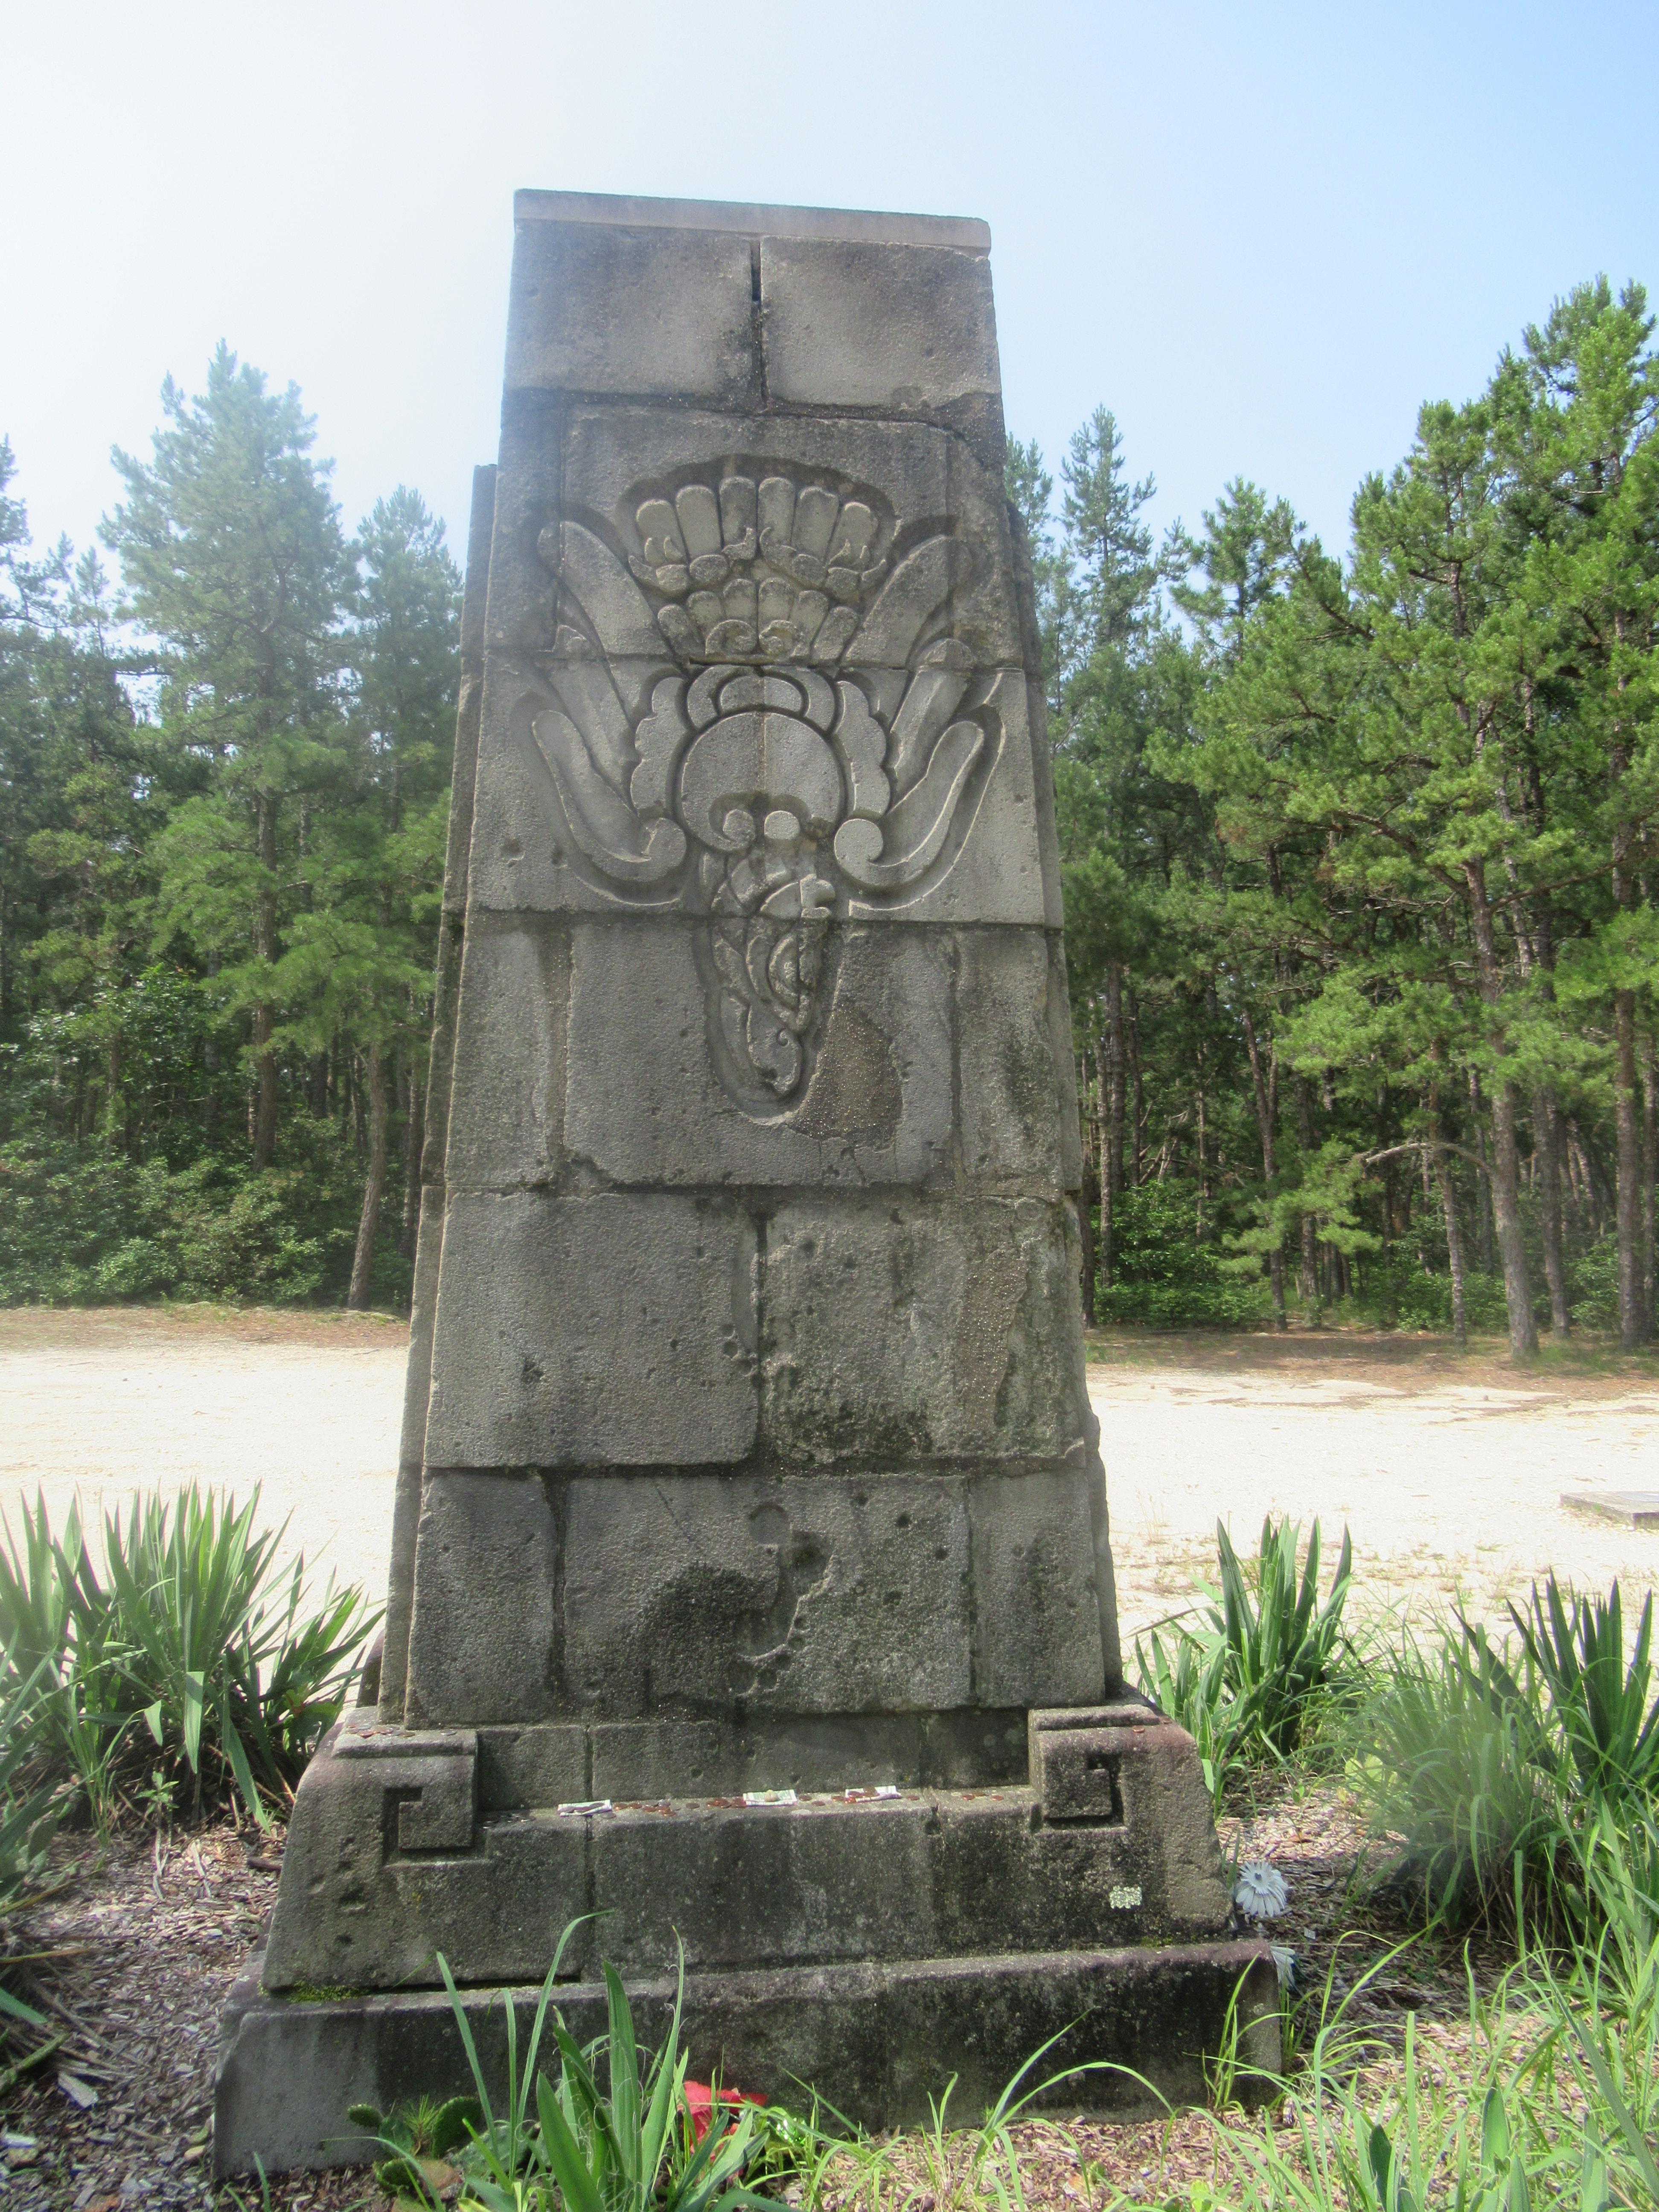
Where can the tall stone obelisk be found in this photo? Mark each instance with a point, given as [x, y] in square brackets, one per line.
[751, 1583]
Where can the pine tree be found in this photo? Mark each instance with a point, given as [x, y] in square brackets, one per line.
[233, 563]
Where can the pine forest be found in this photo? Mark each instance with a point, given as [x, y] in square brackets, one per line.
[1359, 849]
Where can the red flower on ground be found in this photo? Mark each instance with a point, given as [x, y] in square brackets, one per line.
[701, 2099]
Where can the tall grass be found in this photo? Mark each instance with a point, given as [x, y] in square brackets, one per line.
[192, 1668]
[1490, 1762]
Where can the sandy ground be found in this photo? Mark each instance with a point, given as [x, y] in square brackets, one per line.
[102, 1404]
[1448, 1473]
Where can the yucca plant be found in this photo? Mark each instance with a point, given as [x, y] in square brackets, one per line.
[221, 1665]
[1453, 1754]
[192, 1637]
[1607, 1720]
[1187, 1681]
[1282, 1647]
[1244, 1680]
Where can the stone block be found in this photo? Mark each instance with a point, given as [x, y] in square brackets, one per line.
[483, 1622]
[994, 867]
[521, 608]
[647, 1104]
[898, 329]
[1155, 1787]
[532, 1766]
[964, 1748]
[773, 1885]
[1036, 1607]
[1015, 1066]
[891, 2035]
[506, 1100]
[759, 1594]
[920, 1330]
[599, 309]
[615, 457]
[614, 1328]
[524, 855]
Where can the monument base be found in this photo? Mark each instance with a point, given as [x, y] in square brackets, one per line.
[888, 2037]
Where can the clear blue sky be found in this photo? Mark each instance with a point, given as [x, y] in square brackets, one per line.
[1261, 234]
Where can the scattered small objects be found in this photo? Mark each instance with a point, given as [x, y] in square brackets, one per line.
[1635, 1509]
[1261, 1890]
[770, 1797]
[579, 1809]
[77, 2091]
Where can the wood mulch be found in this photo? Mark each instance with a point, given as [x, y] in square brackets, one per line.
[150, 1935]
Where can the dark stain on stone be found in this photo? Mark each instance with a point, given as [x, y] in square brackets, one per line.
[856, 1085]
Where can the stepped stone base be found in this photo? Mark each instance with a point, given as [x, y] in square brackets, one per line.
[887, 2037]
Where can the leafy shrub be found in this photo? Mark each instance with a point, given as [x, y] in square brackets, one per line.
[1163, 1276]
[82, 1225]
[1395, 1290]
[189, 1667]
[1245, 1682]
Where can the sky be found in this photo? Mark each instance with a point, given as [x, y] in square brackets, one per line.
[1261, 234]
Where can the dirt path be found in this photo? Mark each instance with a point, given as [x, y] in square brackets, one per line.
[1448, 1473]
[105, 1403]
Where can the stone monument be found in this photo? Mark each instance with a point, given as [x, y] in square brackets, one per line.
[750, 1586]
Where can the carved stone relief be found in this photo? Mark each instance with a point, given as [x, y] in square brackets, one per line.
[821, 735]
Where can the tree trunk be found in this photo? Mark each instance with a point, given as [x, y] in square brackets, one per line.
[1627, 1204]
[414, 1118]
[1483, 1211]
[1546, 1134]
[1266, 1087]
[1454, 1249]
[1309, 1269]
[1138, 1120]
[1088, 1199]
[1505, 1181]
[1112, 1075]
[264, 948]
[373, 1182]
[1632, 1305]
[1650, 1165]
[1454, 1233]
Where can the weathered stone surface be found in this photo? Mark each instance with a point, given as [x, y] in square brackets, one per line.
[537, 1765]
[995, 866]
[905, 1331]
[805, 1594]
[1036, 1606]
[611, 1328]
[598, 308]
[890, 2035]
[646, 1106]
[509, 1091]
[905, 329]
[967, 1748]
[1018, 1101]
[481, 1636]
